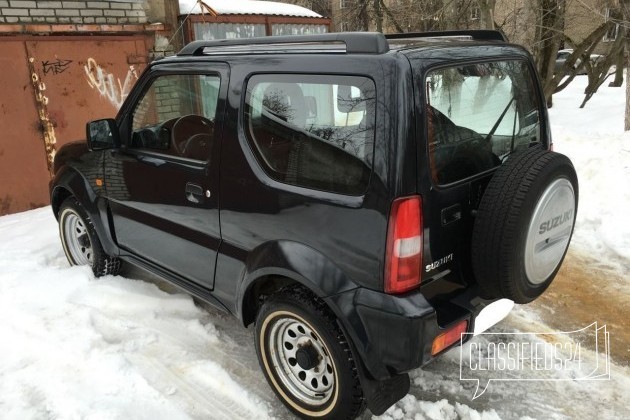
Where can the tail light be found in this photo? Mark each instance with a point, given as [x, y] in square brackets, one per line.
[404, 245]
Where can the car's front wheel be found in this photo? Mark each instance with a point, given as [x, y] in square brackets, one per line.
[80, 241]
[306, 358]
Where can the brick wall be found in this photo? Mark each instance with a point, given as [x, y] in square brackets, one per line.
[167, 98]
[72, 12]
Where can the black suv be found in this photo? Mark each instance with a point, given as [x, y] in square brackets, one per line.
[361, 198]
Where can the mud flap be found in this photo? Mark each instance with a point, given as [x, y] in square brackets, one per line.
[382, 394]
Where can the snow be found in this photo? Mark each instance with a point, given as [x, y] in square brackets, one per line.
[594, 139]
[74, 347]
[128, 347]
[244, 7]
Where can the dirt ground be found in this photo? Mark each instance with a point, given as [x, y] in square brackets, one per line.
[583, 293]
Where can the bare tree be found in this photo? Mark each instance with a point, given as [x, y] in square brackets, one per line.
[599, 71]
[539, 24]
[410, 15]
[486, 13]
[378, 14]
[549, 36]
[550, 33]
[580, 60]
[620, 30]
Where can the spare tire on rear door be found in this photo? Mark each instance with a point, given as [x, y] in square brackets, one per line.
[524, 225]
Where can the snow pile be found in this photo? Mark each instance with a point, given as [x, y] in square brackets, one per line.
[75, 347]
[412, 408]
[594, 139]
[245, 7]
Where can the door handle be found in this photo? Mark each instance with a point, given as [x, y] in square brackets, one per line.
[451, 214]
[194, 193]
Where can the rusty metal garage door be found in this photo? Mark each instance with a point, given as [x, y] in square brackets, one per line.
[23, 173]
[50, 87]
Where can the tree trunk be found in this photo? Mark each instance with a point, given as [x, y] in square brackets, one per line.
[581, 51]
[391, 17]
[486, 13]
[550, 33]
[364, 17]
[378, 15]
[619, 63]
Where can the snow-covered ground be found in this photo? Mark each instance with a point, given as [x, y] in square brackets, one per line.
[594, 139]
[73, 347]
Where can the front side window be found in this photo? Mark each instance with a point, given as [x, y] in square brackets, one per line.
[477, 115]
[176, 116]
[313, 131]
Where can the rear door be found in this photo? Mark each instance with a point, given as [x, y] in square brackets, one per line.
[475, 116]
[163, 184]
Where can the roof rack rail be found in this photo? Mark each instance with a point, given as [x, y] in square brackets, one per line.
[480, 35]
[356, 42]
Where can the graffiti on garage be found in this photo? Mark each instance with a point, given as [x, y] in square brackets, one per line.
[55, 67]
[108, 85]
[47, 127]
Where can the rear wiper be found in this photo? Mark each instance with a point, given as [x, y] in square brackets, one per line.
[496, 124]
[513, 134]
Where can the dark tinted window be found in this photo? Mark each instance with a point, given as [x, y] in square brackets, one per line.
[313, 131]
[477, 115]
[176, 116]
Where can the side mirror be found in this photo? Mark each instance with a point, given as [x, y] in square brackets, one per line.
[102, 134]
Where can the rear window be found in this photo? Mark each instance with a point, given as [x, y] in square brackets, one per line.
[314, 131]
[477, 115]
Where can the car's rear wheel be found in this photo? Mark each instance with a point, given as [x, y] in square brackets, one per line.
[306, 358]
[80, 241]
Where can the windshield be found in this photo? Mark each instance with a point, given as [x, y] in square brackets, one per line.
[477, 115]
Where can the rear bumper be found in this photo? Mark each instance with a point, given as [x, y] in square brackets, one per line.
[394, 334]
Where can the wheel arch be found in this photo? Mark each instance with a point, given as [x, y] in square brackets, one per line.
[58, 196]
[69, 182]
[279, 264]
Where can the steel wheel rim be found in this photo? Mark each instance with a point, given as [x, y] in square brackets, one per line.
[77, 240]
[314, 386]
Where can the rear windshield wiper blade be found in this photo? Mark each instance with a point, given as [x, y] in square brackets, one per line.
[496, 124]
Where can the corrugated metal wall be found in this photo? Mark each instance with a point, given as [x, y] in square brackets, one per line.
[49, 88]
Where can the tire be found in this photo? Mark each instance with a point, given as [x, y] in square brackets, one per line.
[306, 358]
[524, 225]
[80, 241]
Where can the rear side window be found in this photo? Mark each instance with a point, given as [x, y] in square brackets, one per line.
[477, 115]
[313, 131]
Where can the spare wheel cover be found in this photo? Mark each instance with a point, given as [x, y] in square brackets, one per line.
[549, 231]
